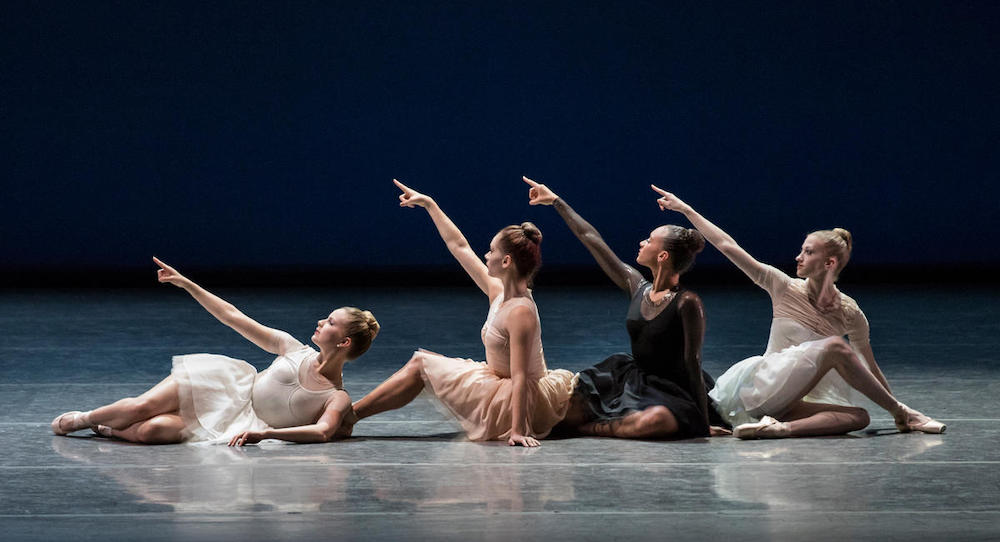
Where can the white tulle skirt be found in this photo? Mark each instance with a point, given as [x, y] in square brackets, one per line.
[766, 385]
[215, 396]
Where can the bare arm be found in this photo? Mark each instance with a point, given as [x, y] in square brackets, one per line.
[272, 340]
[693, 317]
[521, 325]
[719, 239]
[324, 430]
[453, 239]
[622, 274]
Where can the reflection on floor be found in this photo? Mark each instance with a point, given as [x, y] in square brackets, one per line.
[409, 474]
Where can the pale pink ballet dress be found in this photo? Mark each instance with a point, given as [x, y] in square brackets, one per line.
[479, 394]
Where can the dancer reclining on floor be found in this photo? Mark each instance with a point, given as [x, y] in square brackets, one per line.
[801, 386]
[512, 396]
[209, 397]
[659, 391]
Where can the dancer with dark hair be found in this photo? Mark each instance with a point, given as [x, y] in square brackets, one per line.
[512, 396]
[802, 384]
[214, 398]
[658, 391]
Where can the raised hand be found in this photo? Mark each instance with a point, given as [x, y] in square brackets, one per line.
[670, 201]
[539, 194]
[169, 274]
[412, 198]
[526, 441]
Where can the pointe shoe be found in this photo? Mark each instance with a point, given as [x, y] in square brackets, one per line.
[767, 427]
[915, 421]
[77, 422]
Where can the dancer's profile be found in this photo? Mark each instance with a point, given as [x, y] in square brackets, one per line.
[512, 396]
[209, 397]
[800, 386]
[659, 391]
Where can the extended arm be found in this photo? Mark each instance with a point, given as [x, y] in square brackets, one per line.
[693, 317]
[324, 430]
[521, 325]
[622, 274]
[270, 339]
[453, 239]
[719, 239]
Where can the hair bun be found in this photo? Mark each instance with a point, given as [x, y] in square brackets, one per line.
[695, 240]
[531, 232]
[846, 236]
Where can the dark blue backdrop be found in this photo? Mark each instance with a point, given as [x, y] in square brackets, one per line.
[266, 134]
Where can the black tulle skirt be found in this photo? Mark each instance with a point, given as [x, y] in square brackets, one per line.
[618, 386]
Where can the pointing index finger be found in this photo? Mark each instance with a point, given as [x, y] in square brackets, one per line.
[402, 186]
[158, 262]
[529, 181]
[661, 191]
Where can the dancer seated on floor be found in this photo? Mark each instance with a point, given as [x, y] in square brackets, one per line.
[512, 396]
[209, 397]
[801, 386]
[658, 391]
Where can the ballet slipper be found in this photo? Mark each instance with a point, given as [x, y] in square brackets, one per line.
[915, 421]
[78, 420]
[767, 427]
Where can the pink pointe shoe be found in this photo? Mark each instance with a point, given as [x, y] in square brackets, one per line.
[68, 422]
[915, 421]
[767, 427]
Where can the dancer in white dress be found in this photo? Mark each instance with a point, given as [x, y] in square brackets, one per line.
[213, 398]
[802, 384]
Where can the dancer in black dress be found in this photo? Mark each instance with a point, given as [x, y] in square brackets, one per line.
[659, 390]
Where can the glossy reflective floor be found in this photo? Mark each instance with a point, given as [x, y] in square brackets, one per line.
[409, 474]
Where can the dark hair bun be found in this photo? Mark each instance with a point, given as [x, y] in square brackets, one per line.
[531, 232]
[694, 240]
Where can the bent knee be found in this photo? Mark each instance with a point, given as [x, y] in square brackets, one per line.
[859, 418]
[658, 420]
[837, 347]
[158, 431]
[416, 362]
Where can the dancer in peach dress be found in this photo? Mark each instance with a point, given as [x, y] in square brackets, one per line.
[511, 397]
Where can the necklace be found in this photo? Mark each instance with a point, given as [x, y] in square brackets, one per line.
[666, 297]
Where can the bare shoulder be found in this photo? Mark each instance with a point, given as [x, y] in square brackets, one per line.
[689, 301]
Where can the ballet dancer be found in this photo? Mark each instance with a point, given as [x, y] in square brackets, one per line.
[801, 385]
[208, 397]
[511, 397]
[659, 391]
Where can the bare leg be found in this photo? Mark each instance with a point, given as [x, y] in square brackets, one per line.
[160, 399]
[161, 429]
[397, 391]
[837, 355]
[653, 422]
[805, 419]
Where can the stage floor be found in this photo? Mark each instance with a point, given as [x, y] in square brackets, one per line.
[409, 474]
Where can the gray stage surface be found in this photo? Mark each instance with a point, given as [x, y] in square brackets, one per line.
[409, 474]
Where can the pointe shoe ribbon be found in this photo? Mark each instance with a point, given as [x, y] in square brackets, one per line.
[927, 426]
[767, 427]
[77, 421]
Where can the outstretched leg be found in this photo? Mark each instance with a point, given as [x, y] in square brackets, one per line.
[652, 422]
[397, 391]
[160, 399]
